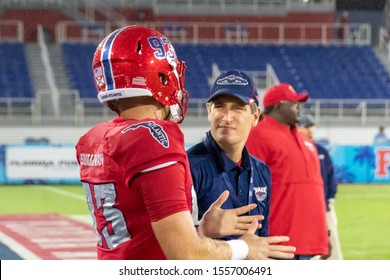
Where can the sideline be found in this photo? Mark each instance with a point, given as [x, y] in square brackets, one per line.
[62, 192]
[47, 236]
[81, 218]
[11, 247]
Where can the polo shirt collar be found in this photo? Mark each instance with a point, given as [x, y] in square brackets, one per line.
[223, 162]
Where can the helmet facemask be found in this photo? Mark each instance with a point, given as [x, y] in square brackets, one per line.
[180, 98]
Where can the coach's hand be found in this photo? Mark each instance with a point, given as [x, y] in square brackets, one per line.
[266, 248]
[218, 222]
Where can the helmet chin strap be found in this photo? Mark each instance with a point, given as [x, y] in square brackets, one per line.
[175, 113]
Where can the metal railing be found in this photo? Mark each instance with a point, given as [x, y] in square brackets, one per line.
[245, 7]
[11, 30]
[362, 112]
[358, 112]
[384, 41]
[203, 32]
[173, 5]
[222, 32]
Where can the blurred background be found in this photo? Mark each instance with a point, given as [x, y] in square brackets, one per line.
[337, 51]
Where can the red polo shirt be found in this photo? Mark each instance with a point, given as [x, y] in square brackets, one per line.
[297, 198]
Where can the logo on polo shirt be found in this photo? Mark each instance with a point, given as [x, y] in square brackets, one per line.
[261, 193]
[309, 145]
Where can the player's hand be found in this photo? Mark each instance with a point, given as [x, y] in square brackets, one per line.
[218, 222]
[266, 248]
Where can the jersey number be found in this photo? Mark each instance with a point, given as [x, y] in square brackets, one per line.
[108, 221]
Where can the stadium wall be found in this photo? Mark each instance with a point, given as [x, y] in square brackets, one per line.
[34, 17]
[291, 17]
[337, 135]
[54, 161]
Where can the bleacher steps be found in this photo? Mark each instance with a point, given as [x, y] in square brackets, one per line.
[57, 65]
[384, 57]
[35, 66]
[40, 83]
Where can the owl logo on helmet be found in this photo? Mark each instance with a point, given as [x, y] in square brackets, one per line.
[139, 61]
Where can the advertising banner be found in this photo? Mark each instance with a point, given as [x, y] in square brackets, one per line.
[57, 164]
[361, 164]
[41, 164]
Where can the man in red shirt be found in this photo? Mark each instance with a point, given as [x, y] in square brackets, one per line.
[134, 168]
[297, 197]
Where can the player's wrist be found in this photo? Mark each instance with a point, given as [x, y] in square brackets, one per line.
[239, 248]
[200, 229]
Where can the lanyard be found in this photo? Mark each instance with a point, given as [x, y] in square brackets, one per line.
[233, 195]
[212, 148]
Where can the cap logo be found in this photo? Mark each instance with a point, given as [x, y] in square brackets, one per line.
[232, 80]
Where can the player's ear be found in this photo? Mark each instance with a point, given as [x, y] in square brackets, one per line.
[255, 113]
[256, 116]
[208, 108]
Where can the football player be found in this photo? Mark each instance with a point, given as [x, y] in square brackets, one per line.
[134, 168]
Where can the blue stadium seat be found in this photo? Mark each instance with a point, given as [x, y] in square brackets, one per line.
[326, 72]
[14, 75]
[78, 58]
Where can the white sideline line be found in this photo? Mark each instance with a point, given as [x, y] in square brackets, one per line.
[17, 247]
[81, 218]
[65, 193]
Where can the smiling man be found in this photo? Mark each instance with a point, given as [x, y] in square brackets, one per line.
[221, 161]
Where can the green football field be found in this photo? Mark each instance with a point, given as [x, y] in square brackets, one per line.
[363, 213]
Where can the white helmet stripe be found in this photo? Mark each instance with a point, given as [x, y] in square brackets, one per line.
[105, 58]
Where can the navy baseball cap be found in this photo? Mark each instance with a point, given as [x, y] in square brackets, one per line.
[306, 121]
[235, 83]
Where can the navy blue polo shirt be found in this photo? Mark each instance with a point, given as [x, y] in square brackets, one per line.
[214, 172]
[327, 173]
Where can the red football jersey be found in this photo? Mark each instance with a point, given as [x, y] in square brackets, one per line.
[297, 198]
[119, 160]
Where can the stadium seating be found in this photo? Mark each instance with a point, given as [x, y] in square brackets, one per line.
[326, 72]
[14, 74]
[77, 59]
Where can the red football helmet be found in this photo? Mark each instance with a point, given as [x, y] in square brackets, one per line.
[139, 61]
